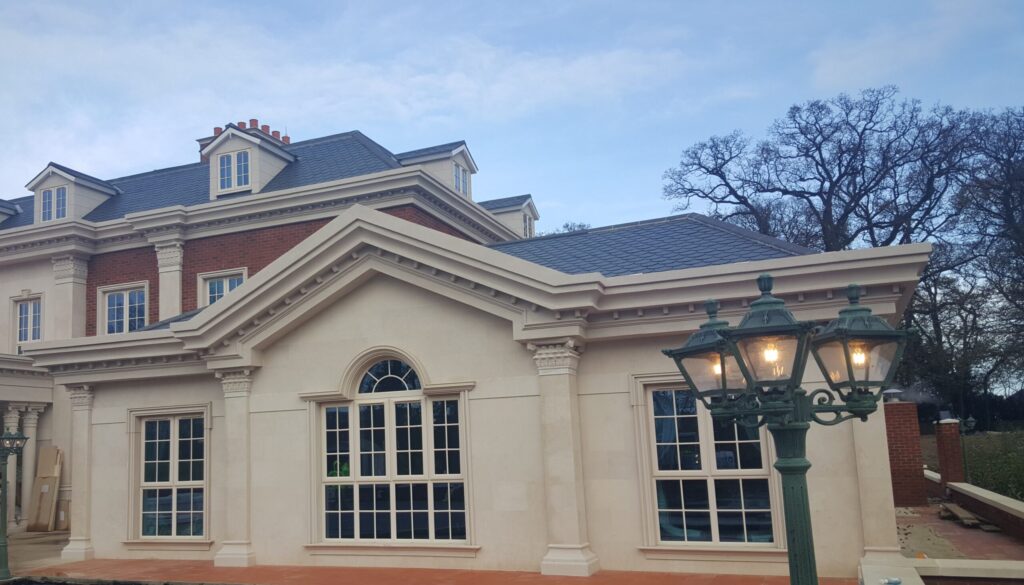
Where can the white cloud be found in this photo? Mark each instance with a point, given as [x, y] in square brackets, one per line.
[118, 80]
[889, 50]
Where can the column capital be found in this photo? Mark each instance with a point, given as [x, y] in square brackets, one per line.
[32, 412]
[557, 357]
[169, 255]
[235, 383]
[81, 397]
[12, 416]
[70, 268]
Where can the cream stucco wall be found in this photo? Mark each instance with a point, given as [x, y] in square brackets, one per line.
[451, 342]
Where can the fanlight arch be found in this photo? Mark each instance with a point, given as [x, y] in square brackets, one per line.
[389, 375]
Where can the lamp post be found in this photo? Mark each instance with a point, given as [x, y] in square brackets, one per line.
[751, 374]
[10, 444]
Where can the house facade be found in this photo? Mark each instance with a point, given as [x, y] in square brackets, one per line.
[322, 352]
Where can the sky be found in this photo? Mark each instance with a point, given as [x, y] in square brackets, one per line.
[583, 104]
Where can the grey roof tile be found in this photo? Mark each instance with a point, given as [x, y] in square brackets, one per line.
[670, 243]
[504, 202]
[80, 174]
[28, 207]
[319, 160]
[439, 149]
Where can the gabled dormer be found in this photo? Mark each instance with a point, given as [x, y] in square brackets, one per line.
[244, 157]
[8, 209]
[62, 193]
[518, 213]
[451, 163]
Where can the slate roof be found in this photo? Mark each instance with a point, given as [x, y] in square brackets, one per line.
[319, 160]
[80, 174]
[8, 206]
[439, 149]
[166, 323]
[670, 243]
[504, 202]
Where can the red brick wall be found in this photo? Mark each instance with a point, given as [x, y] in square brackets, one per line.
[252, 250]
[1010, 523]
[951, 454]
[417, 215]
[121, 267]
[905, 461]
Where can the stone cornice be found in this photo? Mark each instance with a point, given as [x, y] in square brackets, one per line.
[81, 397]
[556, 358]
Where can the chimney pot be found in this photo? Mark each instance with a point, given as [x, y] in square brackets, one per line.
[286, 139]
[265, 128]
[241, 125]
[254, 123]
[276, 134]
[217, 131]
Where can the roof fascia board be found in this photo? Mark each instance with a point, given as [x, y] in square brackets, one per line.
[50, 170]
[441, 156]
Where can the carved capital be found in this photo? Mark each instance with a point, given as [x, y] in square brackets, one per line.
[169, 255]
[81, 397]
[70, 269]
[235, 383]
[12, 416]
[31, 417]
[561, 357]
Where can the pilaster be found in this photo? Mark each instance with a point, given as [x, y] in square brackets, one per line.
[169, 258]
[79, 547]
[67, 309]
[12, 420]
[565, 502]
[236, 549]
[30, 424]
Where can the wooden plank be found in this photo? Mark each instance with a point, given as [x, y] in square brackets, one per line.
[965, 517]
[43, 501]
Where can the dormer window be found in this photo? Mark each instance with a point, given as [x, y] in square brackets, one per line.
[55, 204]
[461, 178]
[234, 170]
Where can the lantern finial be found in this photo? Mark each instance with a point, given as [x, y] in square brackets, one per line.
[764, 283]
[853, 294]
[711, 307]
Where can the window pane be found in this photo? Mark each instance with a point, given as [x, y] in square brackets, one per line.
[47, 211]
[242, 168]
[62, 203]
[225, 171]
[371, 440]
[389, 376]
[337, 434]
[698, 526]
[409, 438]
[115, 312]
[374, 511]
[446, 437]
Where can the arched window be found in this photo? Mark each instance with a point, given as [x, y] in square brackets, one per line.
[393, 467]
[389, 376]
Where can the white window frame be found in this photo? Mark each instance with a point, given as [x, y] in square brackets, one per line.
[203, 278]
[460, 175]
[101, 304]
[56, 210]
[347, 395]
[27, 298]
[233, 177]
[648, 473]
[391, 478]
[136, 438]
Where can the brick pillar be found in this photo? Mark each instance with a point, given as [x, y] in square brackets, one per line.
[905, 461]
[951, 455]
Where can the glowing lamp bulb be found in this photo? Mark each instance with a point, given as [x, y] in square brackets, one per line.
[771, 354]
[859, 357]
[717, 368]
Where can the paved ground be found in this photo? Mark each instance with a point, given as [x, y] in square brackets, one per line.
[205, 572]
[922, 532]
[31, 550]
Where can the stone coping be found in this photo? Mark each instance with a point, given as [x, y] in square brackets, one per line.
[1006, 504]
[932, 476]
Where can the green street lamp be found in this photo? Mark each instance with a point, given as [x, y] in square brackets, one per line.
[10, 444]
[751, 374]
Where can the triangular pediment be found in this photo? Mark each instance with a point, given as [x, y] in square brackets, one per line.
[355, 247]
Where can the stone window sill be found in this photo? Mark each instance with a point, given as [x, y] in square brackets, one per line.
[705, 552]
[393, 550]
[167, 544]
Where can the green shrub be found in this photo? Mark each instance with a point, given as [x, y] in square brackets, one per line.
[995, 461]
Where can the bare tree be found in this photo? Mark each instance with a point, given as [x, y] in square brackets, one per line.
[835, 174]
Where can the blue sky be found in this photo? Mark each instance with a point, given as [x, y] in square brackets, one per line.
[582, 104]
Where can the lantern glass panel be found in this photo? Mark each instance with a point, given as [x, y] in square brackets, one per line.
[872, 359]
[769, 358]
[706, 372]
[833, 359]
